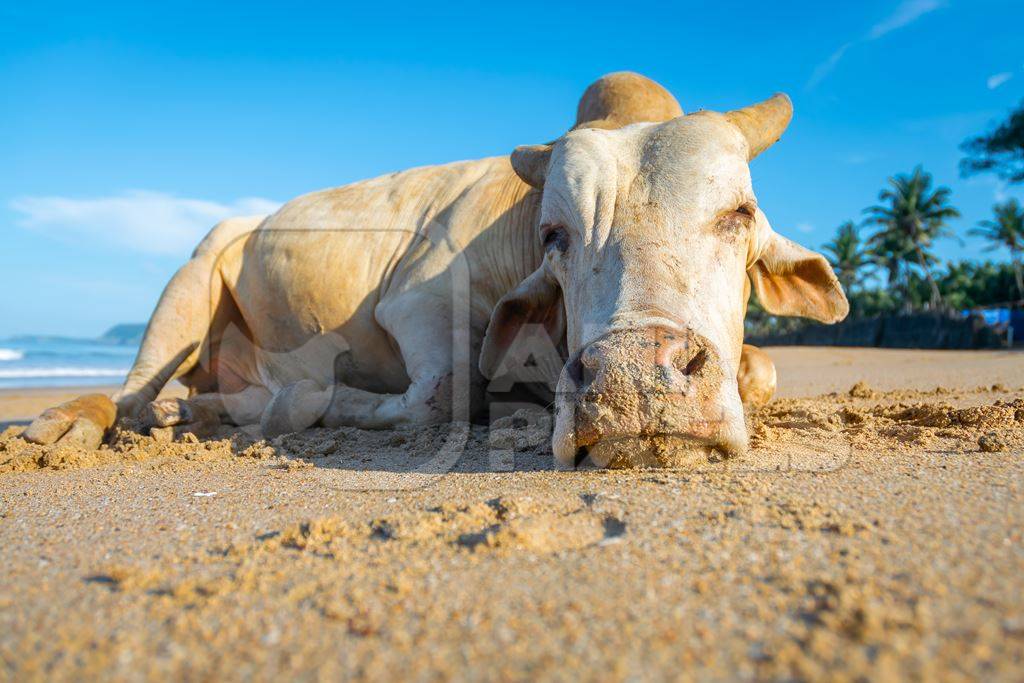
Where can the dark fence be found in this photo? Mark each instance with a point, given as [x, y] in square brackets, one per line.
[912, 331]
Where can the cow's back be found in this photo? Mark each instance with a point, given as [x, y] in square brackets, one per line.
[321, 264]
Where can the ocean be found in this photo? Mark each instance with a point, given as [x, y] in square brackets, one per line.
[54, 361]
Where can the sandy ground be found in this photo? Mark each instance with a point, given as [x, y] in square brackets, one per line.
[873, 532]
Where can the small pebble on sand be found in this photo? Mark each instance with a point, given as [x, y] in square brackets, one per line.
[991, 443]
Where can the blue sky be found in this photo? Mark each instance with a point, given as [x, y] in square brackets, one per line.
[130, 129]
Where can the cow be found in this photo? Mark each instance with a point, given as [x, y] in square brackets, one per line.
[632, 242]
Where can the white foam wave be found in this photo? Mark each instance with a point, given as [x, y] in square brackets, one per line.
[31, 373]
[11, 354]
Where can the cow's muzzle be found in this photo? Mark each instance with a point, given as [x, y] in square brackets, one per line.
[656, 396]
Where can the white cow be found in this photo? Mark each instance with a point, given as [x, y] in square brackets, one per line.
[632, 241]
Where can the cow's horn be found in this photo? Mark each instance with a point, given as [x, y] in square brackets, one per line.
[621, 98]
[762, 123]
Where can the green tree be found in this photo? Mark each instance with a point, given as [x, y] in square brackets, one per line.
[969, 284]
[1001, 150]
[957, 283]
[910, 218]
[888, 250]
[846, 255]
[1006, 230]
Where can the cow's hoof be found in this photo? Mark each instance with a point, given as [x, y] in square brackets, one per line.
[82, 422]
[171, 418]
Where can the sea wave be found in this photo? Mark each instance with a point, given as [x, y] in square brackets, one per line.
[11, 354]
[32, 373]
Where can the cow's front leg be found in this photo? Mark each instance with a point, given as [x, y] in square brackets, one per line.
[421, 325]
[203, 414]
[298, 406]
[428, 400]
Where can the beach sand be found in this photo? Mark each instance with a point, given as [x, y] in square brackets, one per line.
[874, 531]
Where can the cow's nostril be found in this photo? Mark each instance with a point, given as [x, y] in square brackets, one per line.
[695, 364]
[574, 371]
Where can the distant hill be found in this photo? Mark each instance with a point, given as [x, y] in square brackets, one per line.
[125, 334]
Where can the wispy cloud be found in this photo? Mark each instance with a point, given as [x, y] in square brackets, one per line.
[826, 67]
[906, 13]
[805, 227]
[996, 80]
[140, 221]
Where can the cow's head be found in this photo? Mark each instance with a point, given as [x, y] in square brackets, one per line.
[652, 236]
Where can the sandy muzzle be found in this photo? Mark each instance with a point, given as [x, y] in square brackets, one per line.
[624, 402]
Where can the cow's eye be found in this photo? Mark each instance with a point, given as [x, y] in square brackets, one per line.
[737, 219]
[555, 237]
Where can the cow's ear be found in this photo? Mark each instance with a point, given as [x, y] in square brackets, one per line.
[530, 162]
[536, 301]
[794, 281]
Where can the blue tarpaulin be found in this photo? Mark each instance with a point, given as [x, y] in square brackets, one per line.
[1000, 316]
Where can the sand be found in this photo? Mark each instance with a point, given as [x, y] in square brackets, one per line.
[874, 531]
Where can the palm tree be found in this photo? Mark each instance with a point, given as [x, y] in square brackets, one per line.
[911, 217]
[888, 250]
[1001, 150]
[846, 255]
[1007, 230]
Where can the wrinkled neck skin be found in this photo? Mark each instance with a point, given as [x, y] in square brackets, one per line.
[509, 249]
